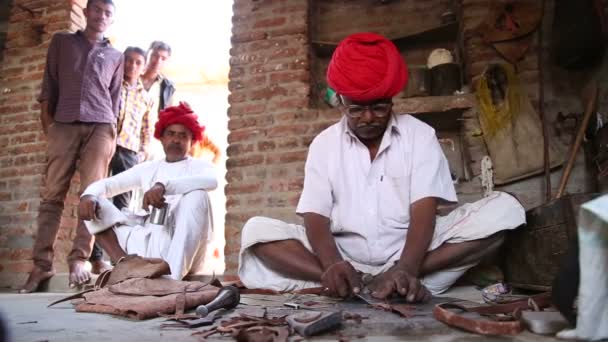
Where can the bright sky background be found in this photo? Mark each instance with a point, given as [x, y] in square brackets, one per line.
[198, 32]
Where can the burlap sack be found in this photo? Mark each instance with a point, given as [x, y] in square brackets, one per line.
[512, 131]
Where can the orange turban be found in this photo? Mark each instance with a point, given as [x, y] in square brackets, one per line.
[367, 67]
[182, 115]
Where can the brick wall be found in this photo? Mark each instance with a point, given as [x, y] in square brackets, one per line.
[269, 120]
[22, 143]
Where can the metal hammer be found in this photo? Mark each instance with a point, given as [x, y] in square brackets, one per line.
[227, 298]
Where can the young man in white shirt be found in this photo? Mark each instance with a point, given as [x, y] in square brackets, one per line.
[178, 181]
[371, 188]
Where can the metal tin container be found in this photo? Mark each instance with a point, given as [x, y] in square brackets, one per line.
[159, 215]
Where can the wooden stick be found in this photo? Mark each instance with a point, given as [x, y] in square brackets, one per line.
[589, 110]
[541, 108]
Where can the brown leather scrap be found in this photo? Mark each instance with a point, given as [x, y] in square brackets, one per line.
[144, 306]
[154, 287]
[133, 289]
[134, 266]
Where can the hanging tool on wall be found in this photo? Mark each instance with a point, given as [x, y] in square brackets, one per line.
[509, 26]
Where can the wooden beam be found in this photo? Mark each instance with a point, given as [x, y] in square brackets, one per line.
[433, 104]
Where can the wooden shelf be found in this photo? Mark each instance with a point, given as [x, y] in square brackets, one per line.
[442, 33]
[433, 104]
[441, 112]
[446, 32]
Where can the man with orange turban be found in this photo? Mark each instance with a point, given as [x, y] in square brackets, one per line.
[179, 183]
[371, 188]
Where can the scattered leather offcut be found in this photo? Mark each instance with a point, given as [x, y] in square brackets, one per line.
[354, 317]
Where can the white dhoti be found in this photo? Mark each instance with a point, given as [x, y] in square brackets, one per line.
[181, 242]
[472, 221]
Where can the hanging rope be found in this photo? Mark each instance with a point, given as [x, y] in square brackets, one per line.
[495, 116]
[487, 176]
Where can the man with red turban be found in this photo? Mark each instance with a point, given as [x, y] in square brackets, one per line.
[178, 183]
[371, 188]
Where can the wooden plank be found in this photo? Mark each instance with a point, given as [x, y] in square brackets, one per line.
[441, 33]
[433, 104]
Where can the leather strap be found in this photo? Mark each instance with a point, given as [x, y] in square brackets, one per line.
[504, 324]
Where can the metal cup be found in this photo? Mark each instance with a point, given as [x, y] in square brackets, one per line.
[159, 215]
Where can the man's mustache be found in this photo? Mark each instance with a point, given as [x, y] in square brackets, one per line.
[374, 125]
[175, 146]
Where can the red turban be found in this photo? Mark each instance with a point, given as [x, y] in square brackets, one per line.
[367, 67]
[182, 115]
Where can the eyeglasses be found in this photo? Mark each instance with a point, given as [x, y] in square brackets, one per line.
[379, 110]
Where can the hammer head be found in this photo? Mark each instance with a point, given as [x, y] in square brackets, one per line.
[227, 298]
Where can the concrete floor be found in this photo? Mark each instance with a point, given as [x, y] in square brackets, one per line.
[29, 319]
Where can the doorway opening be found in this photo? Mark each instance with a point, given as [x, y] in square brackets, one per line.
[199, 35]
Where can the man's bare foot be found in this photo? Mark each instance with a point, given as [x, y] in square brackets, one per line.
[78, 274]
[36, 277]
[99, 266]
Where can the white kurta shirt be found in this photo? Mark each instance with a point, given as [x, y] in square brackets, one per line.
[177, 177]
[368, 202]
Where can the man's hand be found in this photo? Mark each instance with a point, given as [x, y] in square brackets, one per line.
[398, 280]
[46, 119]
[87, 208]
[341, 280]
[155, 196]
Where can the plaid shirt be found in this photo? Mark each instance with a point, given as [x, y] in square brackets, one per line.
[134, 117]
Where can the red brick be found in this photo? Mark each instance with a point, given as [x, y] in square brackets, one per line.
[250, 121]
[290, 76]
[237, 97]
[291, 30]
[255, 200]
[246, 108]
[13, 71]
[5, 196]
[250, 160]
[291, 9]
[232, 202]
[243, 135]
[285, 53]
[271, 22]
[236, 72]
[288, 143]
[13, 109]
[267, 93]
[292, 103]
[289, 130]
[264, 146]
[286, 157]
[248, 36]
[244, 59]
[234, 176]
[267, 44]
[277, 202]
[296, 117]
[240, 216]
[242, 189]
[24, 139]
[239, 149]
